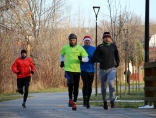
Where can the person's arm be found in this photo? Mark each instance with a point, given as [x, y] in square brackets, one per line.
[85, 59]
[32, 67]
[61, 60]
[90, 55]
[61, 57]
[14, 67]
[62, 54]
[96, 53]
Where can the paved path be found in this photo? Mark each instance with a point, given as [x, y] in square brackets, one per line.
[54, 105]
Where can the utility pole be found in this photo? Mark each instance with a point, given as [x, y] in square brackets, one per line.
[147, 31]
[96, 11]
[147, 37]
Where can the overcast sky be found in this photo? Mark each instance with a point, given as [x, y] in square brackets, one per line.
[136, 6]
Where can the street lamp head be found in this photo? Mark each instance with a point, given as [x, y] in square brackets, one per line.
[96, 9]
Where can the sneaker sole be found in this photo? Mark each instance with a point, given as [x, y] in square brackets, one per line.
[23, 106]
[105, 108]
[87, 107]
[74, 109]
[112, 107]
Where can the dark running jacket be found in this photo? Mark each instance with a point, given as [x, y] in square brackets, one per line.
[106, 55]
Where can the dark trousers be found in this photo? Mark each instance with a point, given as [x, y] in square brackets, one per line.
[128, 79]
[23, 82]
[73, 79]
[87, 78]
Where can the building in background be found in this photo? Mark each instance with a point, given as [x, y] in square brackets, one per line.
[152, 48]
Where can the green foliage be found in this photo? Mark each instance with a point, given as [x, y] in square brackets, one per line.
[139, 53]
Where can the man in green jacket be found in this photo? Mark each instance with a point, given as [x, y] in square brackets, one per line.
[74, 54]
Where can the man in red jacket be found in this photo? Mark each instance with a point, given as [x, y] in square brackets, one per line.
[23, 67]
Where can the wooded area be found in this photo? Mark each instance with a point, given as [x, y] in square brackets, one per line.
[44, 29]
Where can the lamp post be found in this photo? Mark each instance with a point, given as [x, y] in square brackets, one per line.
[146, 39]
[96, 11]
[146, 31]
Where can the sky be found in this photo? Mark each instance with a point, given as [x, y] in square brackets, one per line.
[136, 6]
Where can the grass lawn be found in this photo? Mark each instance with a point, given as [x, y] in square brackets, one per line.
[134, 95]
[13, 96]
[50, 90]
[9, 96]
[94, 100]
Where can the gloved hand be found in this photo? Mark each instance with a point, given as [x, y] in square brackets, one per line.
[62, 64]
[80, 58]
[117, 64]
[32, 72]
[18, 73]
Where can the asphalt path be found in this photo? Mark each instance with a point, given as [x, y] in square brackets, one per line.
[55, 105]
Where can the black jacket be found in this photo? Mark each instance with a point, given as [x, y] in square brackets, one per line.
[106, 55]
[128, 72]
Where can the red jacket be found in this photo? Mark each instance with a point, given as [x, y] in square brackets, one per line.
[24, 66]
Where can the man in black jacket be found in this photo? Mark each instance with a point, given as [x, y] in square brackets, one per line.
[105, 54]
[127, 73]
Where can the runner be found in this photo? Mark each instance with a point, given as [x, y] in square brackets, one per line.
[107, 55]
[74, 54]
[23, 67]
[87, 72]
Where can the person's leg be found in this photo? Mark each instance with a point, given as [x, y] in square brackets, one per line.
[89, 87]
[70, 93]
[69, 76]
[90, 82]
[103, 81]
[76, 85]
[128, 82]
[70, 89]
[76, 89]
[85, 86]
[26, 89]
[128, 79]
[111, 77]
[20, 86]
